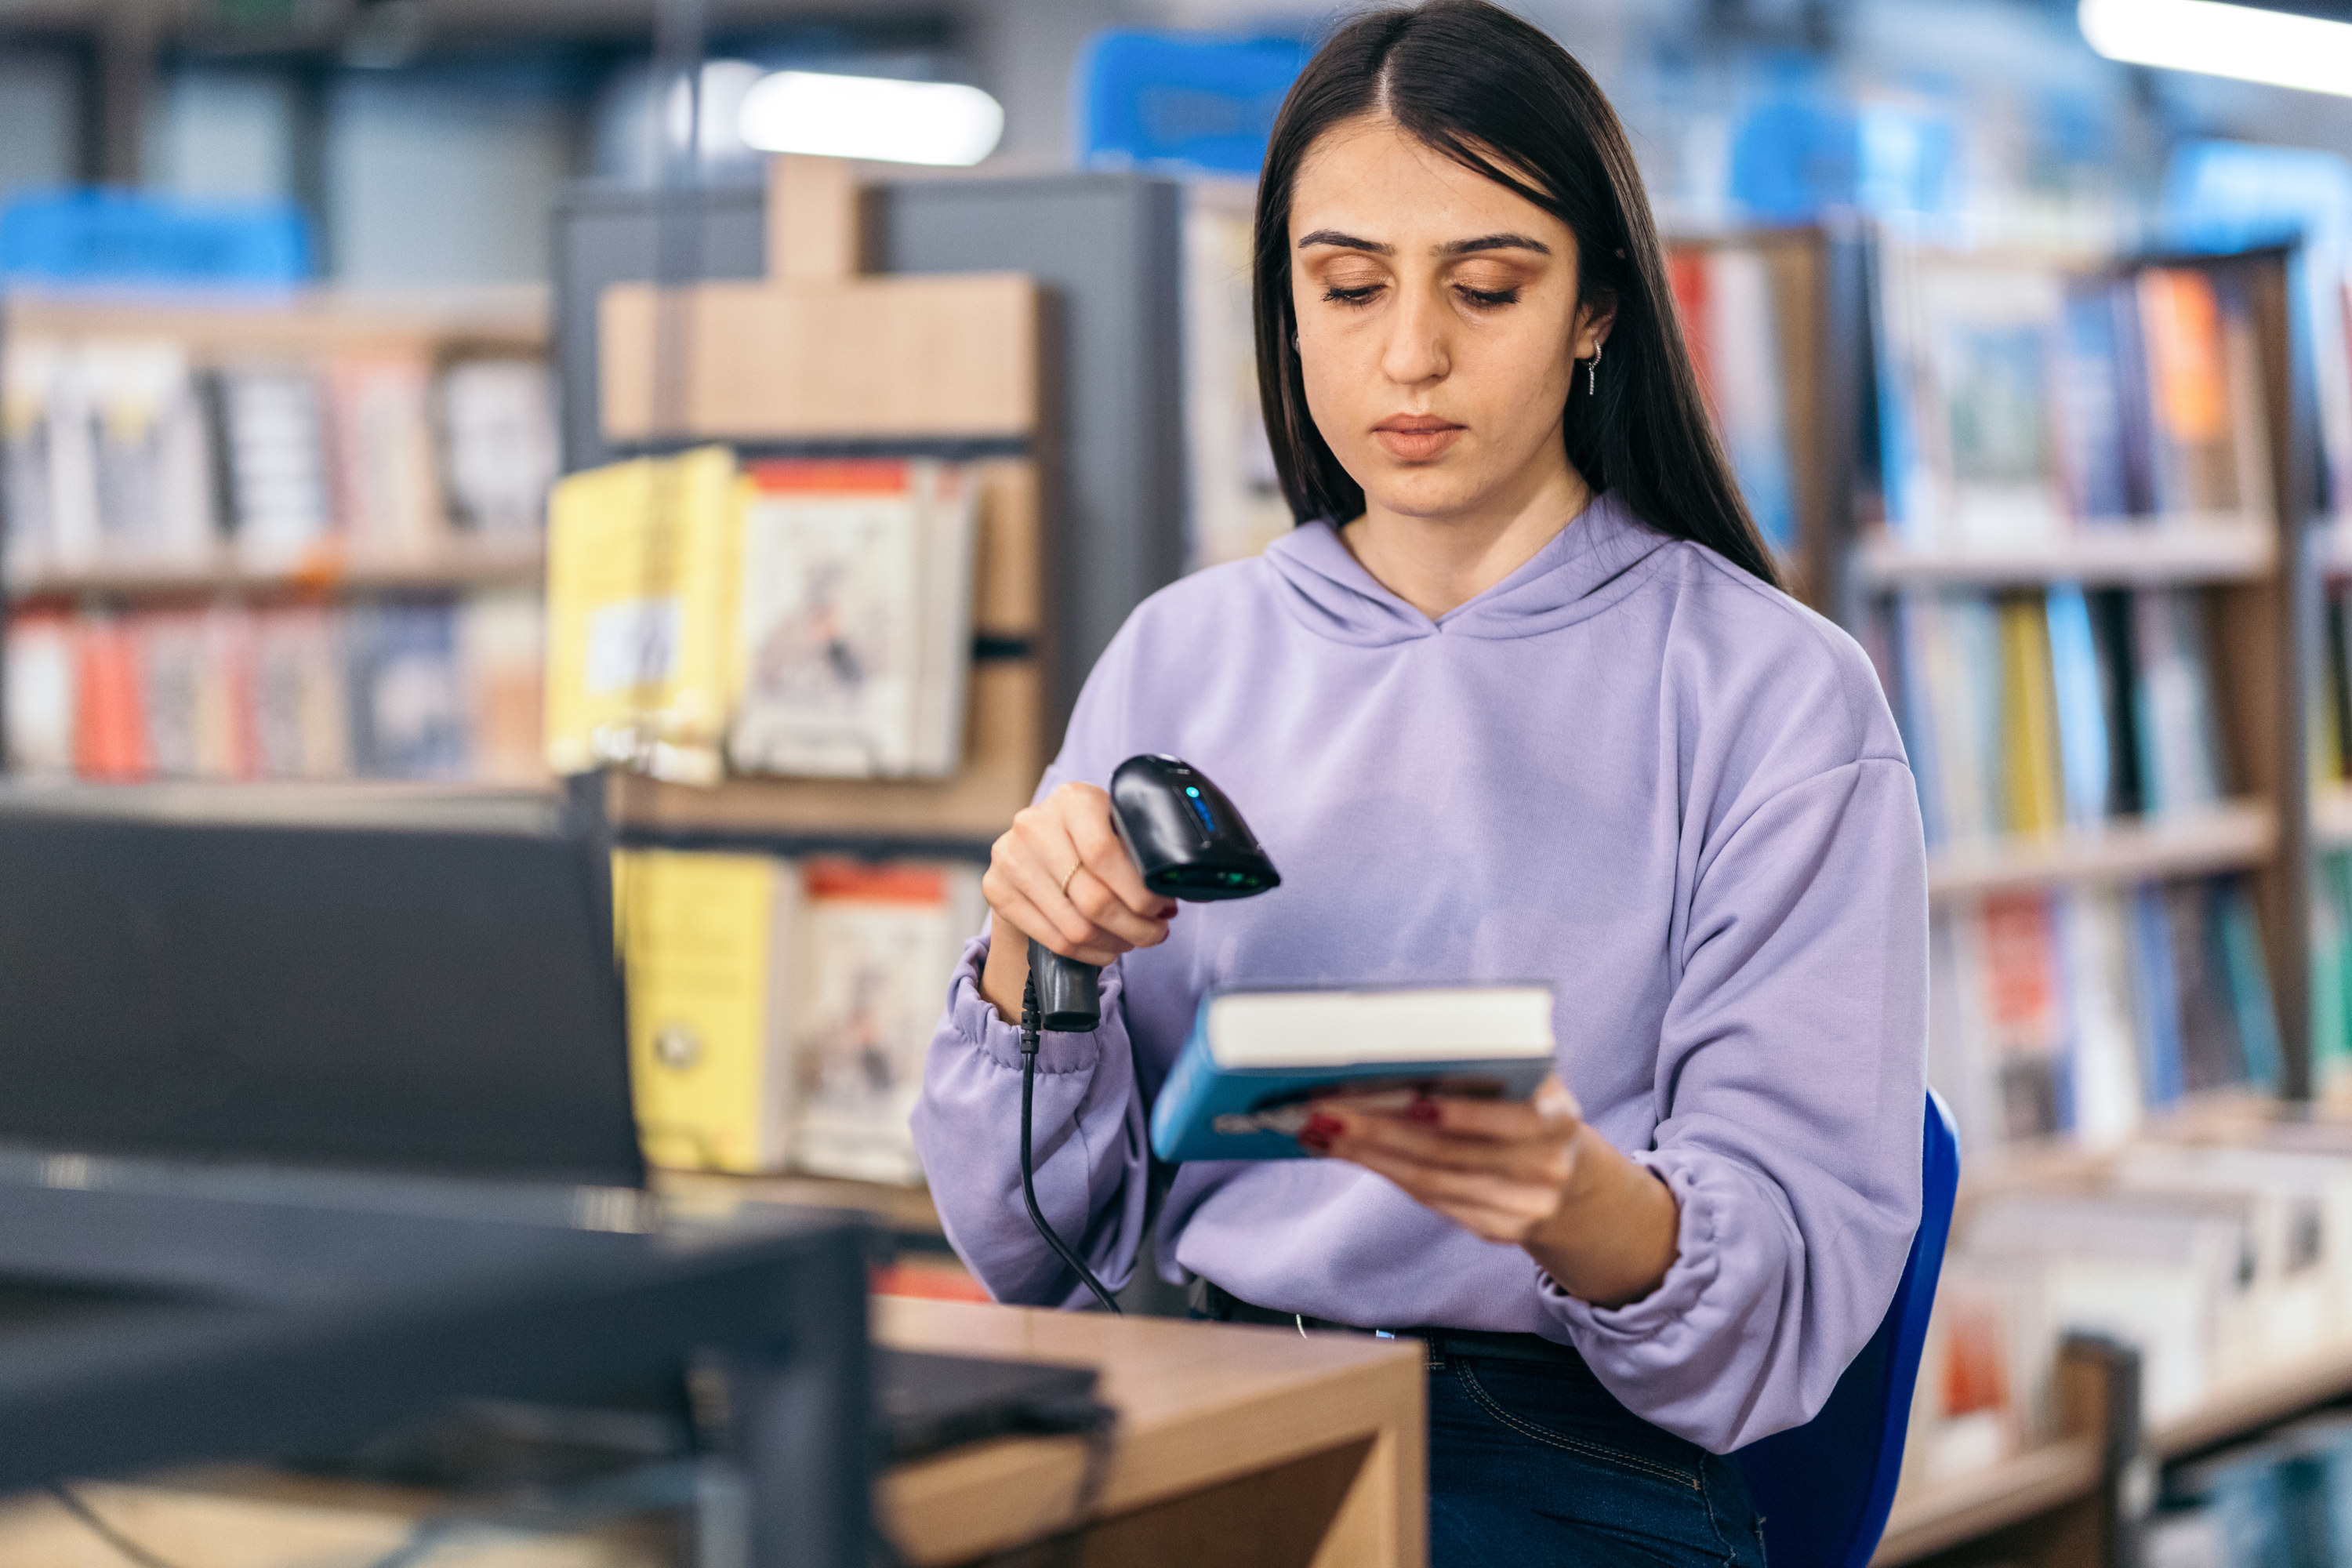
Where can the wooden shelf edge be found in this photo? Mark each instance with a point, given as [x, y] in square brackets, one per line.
[908, 1210]
[2226, 838]
[467, 565]
[2271, 1396]
[1966, 1507]
[2125, 553]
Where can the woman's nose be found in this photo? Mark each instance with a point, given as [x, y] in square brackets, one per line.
[1416, 350]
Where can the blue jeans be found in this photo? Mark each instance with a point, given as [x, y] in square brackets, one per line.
[1534, 1463]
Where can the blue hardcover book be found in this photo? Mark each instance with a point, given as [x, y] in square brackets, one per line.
[2082, 713]
[1243, 1086]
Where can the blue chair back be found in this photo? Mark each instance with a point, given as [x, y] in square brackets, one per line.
[1824, 1487]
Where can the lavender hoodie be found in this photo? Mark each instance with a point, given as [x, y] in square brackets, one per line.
[1629, 769]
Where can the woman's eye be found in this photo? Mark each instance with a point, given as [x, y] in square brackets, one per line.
[1361, 294]
[1488, 298]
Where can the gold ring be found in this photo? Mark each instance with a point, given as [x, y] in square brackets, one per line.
[1072, 878]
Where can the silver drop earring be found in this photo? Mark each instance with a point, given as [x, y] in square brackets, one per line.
[1592, 373]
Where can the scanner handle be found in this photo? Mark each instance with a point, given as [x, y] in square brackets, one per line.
[1069, 993]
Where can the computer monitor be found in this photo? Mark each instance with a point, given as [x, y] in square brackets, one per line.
[357, 980]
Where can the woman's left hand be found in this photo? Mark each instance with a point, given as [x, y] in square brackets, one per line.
[1496, 1167]
[1533, 1175]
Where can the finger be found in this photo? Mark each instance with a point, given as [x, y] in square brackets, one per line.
[1104, 854]
[1012, 906]
[1099, 903]
[1497, 1204]
[1036, 861]
[1543, 1157]
[1546, 1117]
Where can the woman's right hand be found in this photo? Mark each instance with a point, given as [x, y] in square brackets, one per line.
[1061, 874]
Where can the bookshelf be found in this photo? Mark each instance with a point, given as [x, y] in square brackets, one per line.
[389, 554]
[1812, 277]
[2076, 1497]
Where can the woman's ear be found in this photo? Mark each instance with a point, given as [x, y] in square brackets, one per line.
[1594, 318]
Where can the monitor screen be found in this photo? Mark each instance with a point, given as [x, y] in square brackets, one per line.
[383, 982]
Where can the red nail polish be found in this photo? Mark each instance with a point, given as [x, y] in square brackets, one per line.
[1322, 1128]
[1314, 1142]
[1423, 1109]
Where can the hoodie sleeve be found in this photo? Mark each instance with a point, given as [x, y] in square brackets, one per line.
[1791, 1076]
[1089, 1135]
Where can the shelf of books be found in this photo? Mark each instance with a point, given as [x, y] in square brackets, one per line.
[799, 636]
[289, 535]
[1760, 310]
[2083, 604]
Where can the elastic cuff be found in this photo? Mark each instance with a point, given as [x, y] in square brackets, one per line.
[1677, 1295]
[976, 1018]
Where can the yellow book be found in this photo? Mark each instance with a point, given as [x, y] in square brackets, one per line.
[706, 939]
[2032, 787]
[642, 561]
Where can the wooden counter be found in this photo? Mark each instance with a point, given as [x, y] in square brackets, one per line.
[1236, 1445]
[1245, 1448]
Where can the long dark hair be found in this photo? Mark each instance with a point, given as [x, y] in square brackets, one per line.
[1493, 93]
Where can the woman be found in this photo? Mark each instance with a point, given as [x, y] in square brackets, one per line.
[1518, 698]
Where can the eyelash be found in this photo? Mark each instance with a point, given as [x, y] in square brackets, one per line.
[1483, 298]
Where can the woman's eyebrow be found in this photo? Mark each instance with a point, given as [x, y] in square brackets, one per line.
[1495, 242]
[1332, 237]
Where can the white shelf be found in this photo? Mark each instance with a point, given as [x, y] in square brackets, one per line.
[2221, 838]
[464, 562]
[2121, 553]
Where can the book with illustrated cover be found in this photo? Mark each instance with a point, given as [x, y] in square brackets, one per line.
[855, 619]
[153, 459]
[497, 418]
[1245, 1081]
[707, 942]
[408, 698]
[878, 944]
[2209, 454]
[386, 489]
[2024, 1013]
[301, 694]
[642, 561]
[1968, 351]
[272, 436]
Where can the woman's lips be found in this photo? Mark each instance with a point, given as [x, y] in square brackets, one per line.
[1415, 438]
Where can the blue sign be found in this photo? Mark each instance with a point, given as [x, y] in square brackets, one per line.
[1182, 101]
[100, 235]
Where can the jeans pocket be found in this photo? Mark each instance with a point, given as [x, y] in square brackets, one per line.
[1580, 1417]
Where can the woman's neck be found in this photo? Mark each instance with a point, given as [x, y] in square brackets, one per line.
[1436, 564]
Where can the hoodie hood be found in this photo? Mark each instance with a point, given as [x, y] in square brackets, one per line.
[1580, 571]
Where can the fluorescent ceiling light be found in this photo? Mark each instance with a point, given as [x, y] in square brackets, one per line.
[2242, 41]
[871, 117]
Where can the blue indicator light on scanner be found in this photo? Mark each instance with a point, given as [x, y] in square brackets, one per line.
[1191, 791]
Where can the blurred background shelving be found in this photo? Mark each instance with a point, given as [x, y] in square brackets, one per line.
[1910, 243]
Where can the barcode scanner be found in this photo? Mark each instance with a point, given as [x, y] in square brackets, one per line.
[1189, 843]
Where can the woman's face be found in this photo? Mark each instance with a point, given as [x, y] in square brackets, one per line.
[1438, 323]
